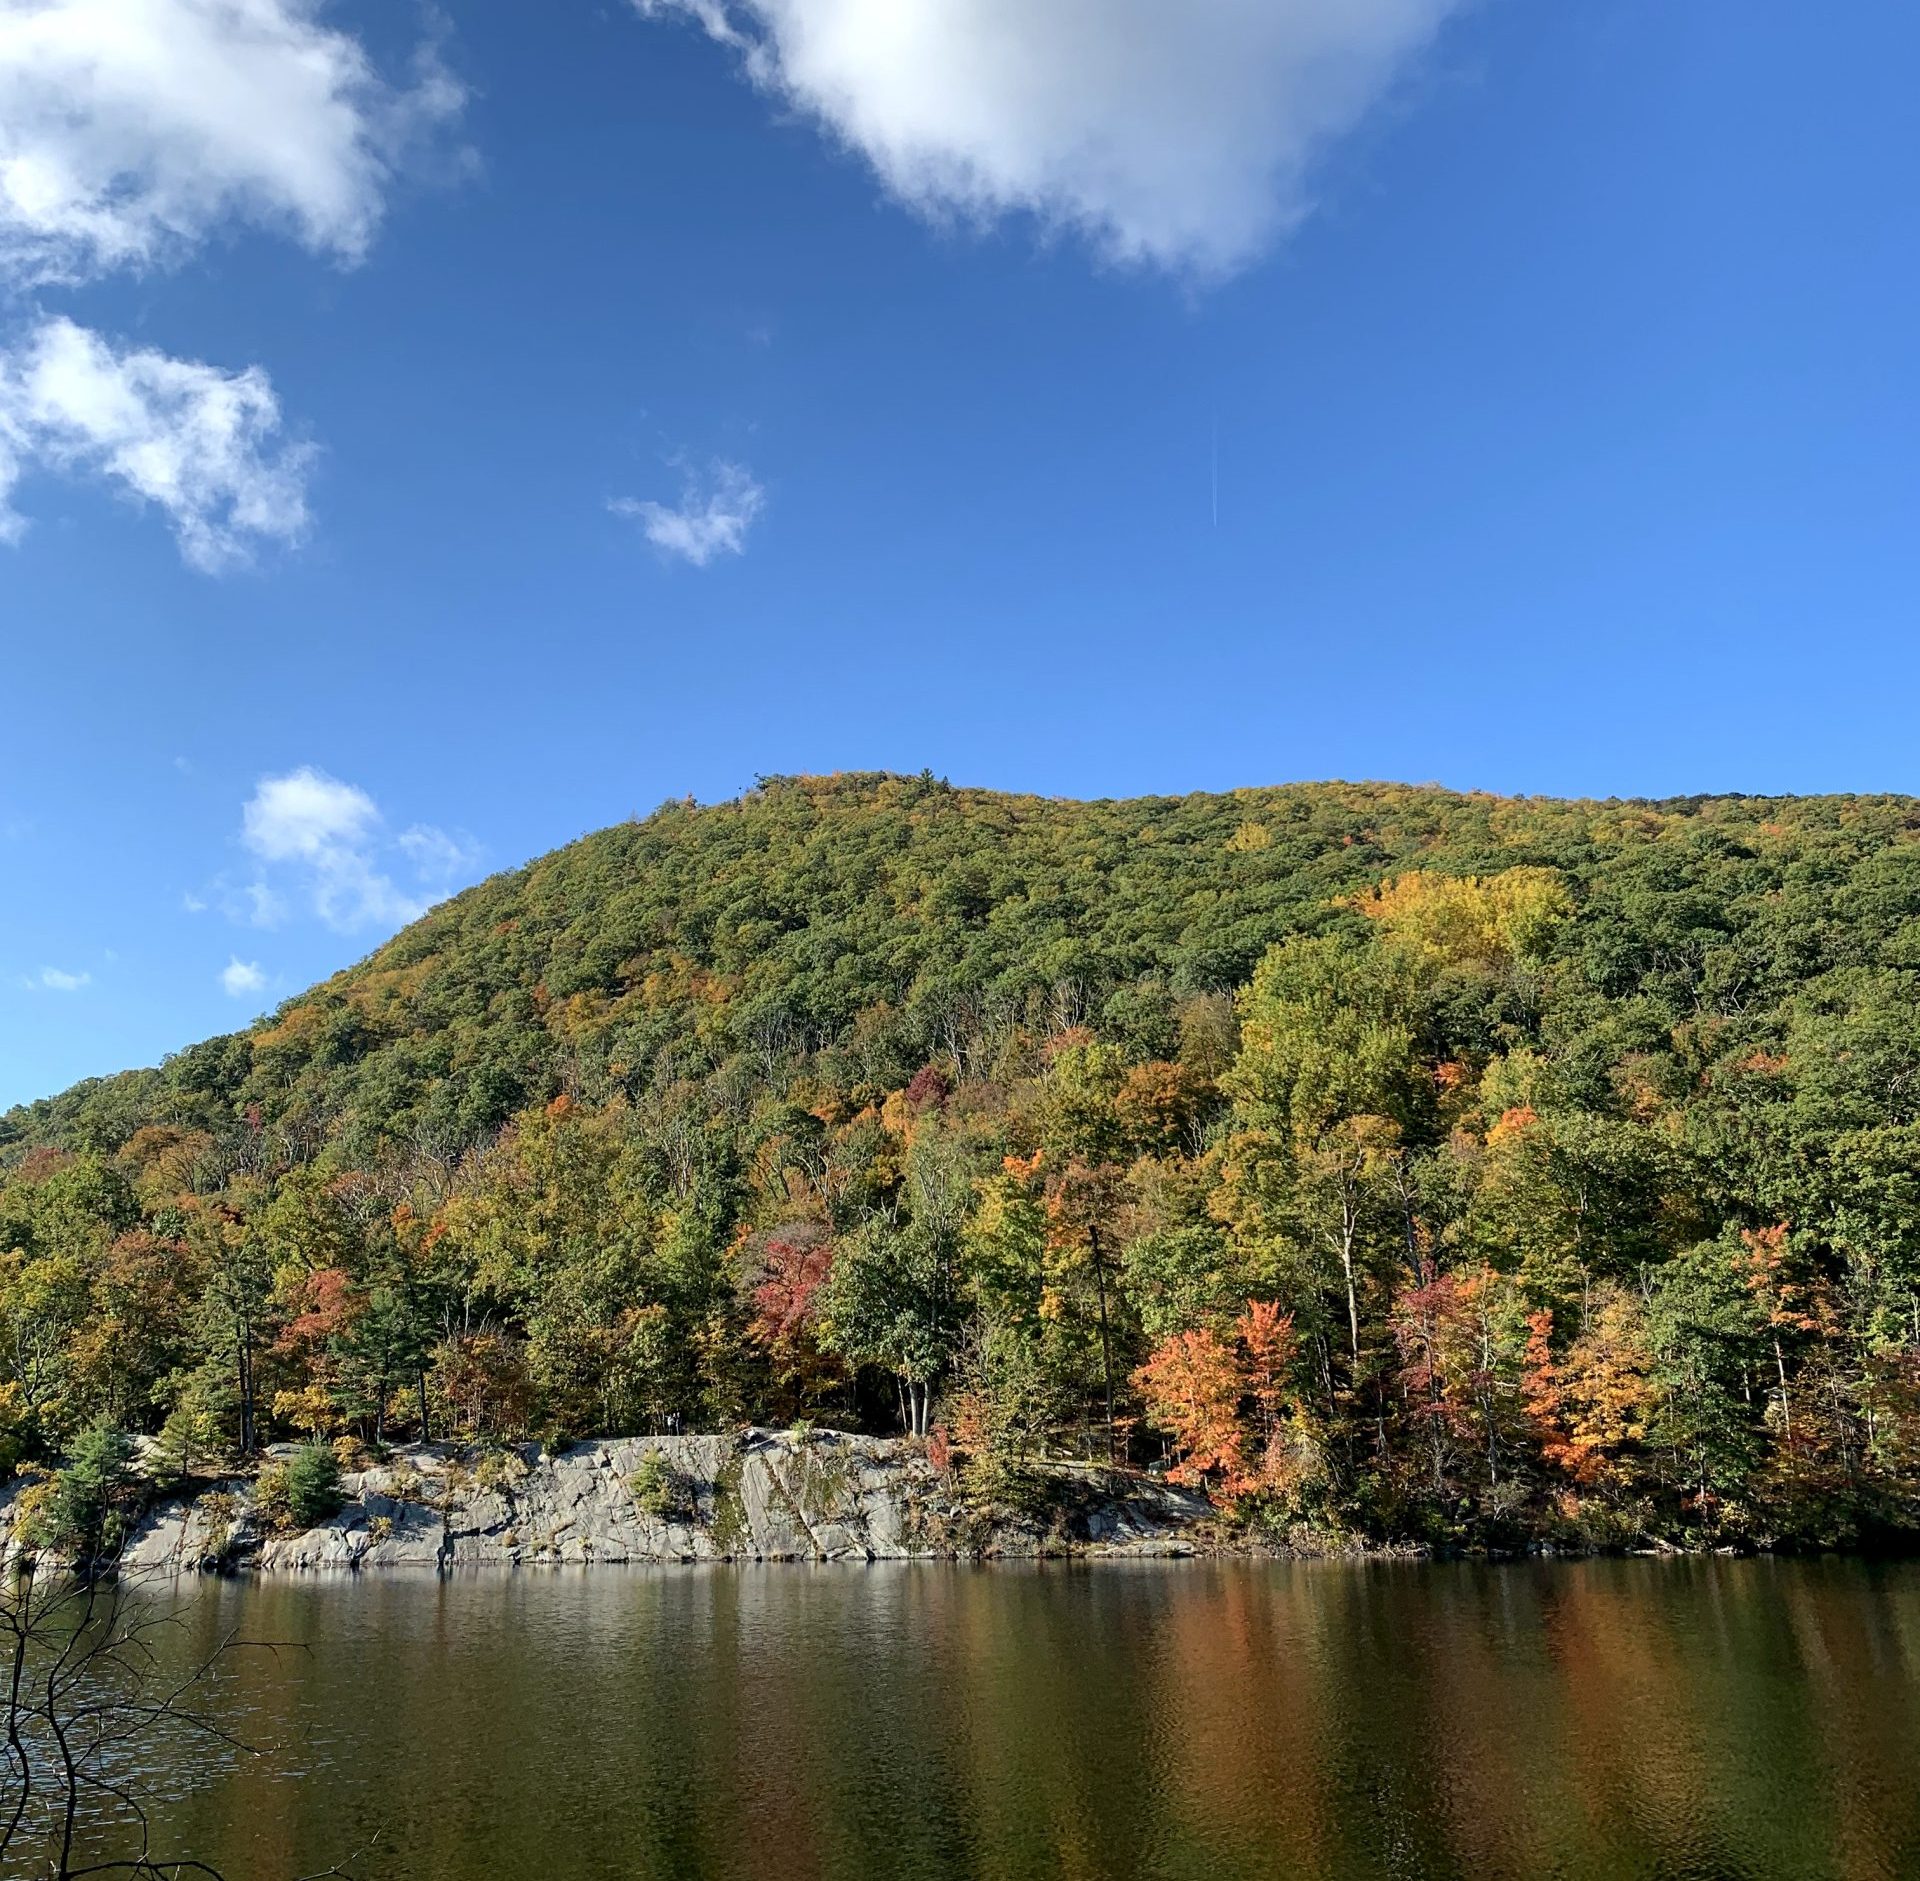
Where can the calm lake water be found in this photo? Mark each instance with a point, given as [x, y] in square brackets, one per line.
[1593, 1719]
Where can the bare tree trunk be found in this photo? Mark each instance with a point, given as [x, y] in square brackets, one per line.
[1349, 1230]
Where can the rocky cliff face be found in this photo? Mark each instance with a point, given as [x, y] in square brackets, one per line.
[760, 1496]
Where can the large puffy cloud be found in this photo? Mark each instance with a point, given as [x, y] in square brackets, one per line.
[132, 129]
[1175, 132]
[202, 445]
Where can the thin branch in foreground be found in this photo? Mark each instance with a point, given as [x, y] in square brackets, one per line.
[88, 1704]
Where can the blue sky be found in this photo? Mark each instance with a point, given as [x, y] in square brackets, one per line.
[1554, 367]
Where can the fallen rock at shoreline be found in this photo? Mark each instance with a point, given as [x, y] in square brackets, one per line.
[761, 1495]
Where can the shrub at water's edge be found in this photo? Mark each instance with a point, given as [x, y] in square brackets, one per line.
[301, 1492]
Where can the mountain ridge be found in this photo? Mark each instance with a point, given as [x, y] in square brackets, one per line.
[17, 1123]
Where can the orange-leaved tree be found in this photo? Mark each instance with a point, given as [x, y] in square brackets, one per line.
[1224, 1401]
[1192, 1385]
[1591, 1407]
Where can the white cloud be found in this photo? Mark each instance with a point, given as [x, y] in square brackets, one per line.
[712, 518]
[130, 130]
[54, 980]
[1176, 132]
[240, 977]
[332, 840]
[306, 815]
[202, 445]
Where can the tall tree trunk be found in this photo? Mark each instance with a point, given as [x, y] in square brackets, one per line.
[1106, 1337]
[245, 1343]
[1349, 1230]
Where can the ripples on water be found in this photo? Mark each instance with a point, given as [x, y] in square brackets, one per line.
[1591, 1719]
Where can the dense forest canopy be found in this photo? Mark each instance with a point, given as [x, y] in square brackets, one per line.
[1391, 1160]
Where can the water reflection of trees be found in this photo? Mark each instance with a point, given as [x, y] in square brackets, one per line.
[1606, 1718]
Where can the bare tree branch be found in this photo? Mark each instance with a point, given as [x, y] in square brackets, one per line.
[90, 1703]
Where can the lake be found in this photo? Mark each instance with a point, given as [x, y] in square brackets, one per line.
[1711, 1718]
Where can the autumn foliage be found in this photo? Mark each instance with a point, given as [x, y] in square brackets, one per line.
[1221, 1397]
[1453, 1168]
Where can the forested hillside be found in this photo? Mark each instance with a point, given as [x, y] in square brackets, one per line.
[1393, 1161]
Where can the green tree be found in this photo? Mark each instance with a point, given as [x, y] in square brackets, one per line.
[84, 1516]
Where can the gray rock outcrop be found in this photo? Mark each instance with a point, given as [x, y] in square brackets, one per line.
[759, 1496]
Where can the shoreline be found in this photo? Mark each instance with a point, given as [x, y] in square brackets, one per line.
[756, 1497]
[759, 1496]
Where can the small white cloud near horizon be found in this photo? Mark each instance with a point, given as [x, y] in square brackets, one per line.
[1183, 137]
[712, 518]
[240, 977]
[133, 130]
[202, 446]
[57, 980]
[332, 842]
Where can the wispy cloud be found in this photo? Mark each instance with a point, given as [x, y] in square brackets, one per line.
[58, 980]
[239, 978]
[257, 905]
[435, 855]
[203, 446]
[1183, 136]
[712, 518]
[329, 846]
